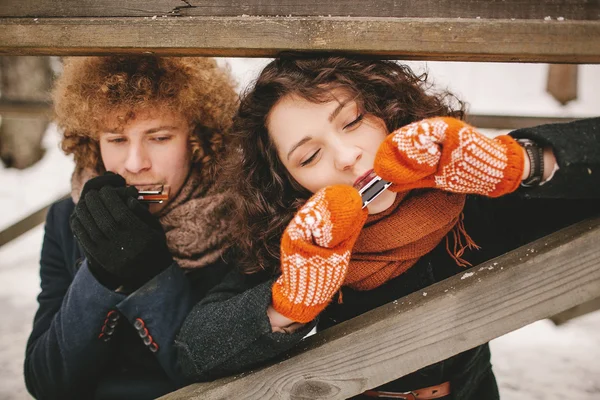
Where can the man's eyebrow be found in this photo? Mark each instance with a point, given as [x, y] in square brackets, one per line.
[300, 143]
[160, 128]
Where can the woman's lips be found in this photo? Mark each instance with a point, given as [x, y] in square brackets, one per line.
[364, 179]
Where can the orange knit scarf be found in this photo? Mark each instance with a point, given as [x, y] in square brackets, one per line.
[393, 241]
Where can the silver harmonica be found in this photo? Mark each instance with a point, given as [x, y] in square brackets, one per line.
[373, 189]
[157, 195]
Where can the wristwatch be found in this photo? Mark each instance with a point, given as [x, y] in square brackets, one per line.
[536, 162]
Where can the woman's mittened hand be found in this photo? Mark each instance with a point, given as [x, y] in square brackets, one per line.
[315, 252]
[449, 154]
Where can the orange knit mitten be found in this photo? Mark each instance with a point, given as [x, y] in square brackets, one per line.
[315, 252]
[449, 154]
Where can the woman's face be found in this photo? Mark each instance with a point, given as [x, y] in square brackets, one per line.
[323, 144]
[152, 149]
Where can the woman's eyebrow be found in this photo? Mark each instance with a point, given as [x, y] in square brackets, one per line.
[337, 110]
[300, 143]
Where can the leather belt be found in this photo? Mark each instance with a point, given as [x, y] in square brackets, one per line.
[428, 393]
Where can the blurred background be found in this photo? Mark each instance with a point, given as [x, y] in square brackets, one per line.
[541, 361]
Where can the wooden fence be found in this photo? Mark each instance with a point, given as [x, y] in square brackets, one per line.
[546, 277]
[467, 30]
[533, 282]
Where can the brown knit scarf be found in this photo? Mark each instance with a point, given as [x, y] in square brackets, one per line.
[196, 222]
[393, 241]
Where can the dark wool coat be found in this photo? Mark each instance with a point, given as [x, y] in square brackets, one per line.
[84, 344]
[229, 331]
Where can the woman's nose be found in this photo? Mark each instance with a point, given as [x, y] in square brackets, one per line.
[137, 159]
[346, 156]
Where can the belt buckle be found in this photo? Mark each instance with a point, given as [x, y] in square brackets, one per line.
[410, 395]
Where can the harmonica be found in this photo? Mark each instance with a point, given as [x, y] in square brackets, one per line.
[154, 196]
[373, 189]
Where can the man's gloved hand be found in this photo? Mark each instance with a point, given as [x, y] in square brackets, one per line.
[125, 245]
[315, 252]
[449, 154]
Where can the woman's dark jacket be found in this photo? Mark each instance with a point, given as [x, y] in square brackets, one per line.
[84, 345]
[232, 318]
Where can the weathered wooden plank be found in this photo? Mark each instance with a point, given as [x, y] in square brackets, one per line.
[533, 282]
[407, 38]
[25, 108]
[507, 122]
[26, 224]
[562, 82]
[506, 9]
[577, 311]
[484, 121]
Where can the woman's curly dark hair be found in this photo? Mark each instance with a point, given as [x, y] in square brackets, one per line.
[268, 196]
[92, 88]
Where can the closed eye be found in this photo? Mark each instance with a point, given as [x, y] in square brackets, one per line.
[355, 122]
[310, 159]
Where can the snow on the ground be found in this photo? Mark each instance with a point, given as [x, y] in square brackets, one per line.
[540, 361]
[546, 362]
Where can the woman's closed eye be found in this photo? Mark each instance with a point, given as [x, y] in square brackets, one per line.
[355, 122]
[310, 159]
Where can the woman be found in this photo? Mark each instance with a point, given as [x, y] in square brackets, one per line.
[117, 277]
[311, 132]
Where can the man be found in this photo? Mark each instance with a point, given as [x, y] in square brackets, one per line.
[118, 277]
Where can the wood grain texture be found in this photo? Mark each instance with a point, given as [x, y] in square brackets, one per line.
[533, 282]
[405, 38]
[505, 9]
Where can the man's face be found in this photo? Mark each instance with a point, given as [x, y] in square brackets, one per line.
[151, 149]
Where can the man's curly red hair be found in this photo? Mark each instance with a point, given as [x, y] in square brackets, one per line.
[91, 89]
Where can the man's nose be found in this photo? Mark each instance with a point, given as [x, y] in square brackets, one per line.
[138, 159]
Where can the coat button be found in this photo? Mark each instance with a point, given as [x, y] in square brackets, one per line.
[143, 333]
[138, 324]
[108, 330]
[148, 340]
[153, 347]
[112, 324]
[103, 337]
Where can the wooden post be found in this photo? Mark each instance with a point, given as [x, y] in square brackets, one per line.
[562, 82]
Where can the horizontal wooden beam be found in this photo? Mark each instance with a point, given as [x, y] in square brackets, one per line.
[551, 41]
[19, 108]
[505, 9]
[484, 121]
[577, 311]
[533, 282]
[509, 122]
[26, 224]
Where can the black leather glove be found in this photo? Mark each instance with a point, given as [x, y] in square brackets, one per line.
[125, 245]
